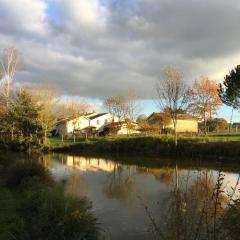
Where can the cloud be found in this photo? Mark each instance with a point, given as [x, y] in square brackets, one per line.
[98, 48]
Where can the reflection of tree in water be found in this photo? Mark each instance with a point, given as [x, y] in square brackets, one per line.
[77, 184]
[195, 210]
[163, 175]
[120, 185]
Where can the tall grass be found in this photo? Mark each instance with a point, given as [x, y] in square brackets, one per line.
[198, 210]
[33, 206]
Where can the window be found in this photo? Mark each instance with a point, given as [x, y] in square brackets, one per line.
[98, 122]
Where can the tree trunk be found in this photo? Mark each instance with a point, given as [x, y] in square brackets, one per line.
[230, 124]
[45, 136]
[205, 124]
[175, 132]
[12, 133]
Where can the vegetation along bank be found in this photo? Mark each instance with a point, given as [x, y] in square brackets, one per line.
[198, 148]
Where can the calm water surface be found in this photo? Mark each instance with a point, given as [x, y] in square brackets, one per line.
[121, 192]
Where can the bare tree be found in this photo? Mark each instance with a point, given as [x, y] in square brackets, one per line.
[116, 105]
[123, 106]
[9, 62]
[71, 108]
[172, 94]
[133, 107]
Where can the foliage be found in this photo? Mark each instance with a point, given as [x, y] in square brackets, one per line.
[204, 99]
[34, 207]
[48, 213]
[217, 124]
[214, 147]
[229, 91]
[141, 118]
[21, 172]
[46, 99]
[22, 120]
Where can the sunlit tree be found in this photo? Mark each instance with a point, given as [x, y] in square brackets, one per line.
[205, 101]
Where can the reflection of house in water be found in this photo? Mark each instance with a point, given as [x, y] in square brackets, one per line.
[89, 164]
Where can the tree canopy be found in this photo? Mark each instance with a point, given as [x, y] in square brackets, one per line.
[229, 90]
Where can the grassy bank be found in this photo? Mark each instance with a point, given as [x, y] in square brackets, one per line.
[194, 147]
[34, 206]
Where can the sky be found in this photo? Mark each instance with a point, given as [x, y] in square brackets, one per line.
[93, 49]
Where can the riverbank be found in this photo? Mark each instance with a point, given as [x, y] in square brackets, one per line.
[27, 196]
[194, 148]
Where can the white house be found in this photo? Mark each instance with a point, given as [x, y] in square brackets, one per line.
[122, 128]
[83, 123]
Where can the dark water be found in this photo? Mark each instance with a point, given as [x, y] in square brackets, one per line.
[126, 195]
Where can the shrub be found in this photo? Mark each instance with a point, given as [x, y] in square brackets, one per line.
[48, 213]
[20, 172]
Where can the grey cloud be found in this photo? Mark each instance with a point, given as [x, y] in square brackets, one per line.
[119, 45]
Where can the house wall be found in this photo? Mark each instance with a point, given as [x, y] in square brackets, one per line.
[77, 124]
[125, 130]
[67, 128]
[186, 125]
[101, 121]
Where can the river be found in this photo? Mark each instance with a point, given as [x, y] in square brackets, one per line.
[128, 195]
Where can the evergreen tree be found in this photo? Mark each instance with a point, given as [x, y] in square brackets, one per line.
[229, 91]
[22, 119]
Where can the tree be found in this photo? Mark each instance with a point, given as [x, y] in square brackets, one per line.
[46, 99]
[22, 118]
[116, 106]
[9, 63]
[217, 124]
[205, 101]
[229, 91]
[172, 94]
[123, 106]
[132, 105]
[71, 109]
[141, 118]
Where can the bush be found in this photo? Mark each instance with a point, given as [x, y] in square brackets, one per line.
[20, 172]
[48, 213]
[33, 207]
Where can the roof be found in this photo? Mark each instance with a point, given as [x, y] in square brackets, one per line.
[96, 116]
[179, 116]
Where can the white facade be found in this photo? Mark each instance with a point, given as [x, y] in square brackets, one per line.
[67, 127]
[128, 130]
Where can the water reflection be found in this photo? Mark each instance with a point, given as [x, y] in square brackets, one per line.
[120, 184]
[175, 197]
